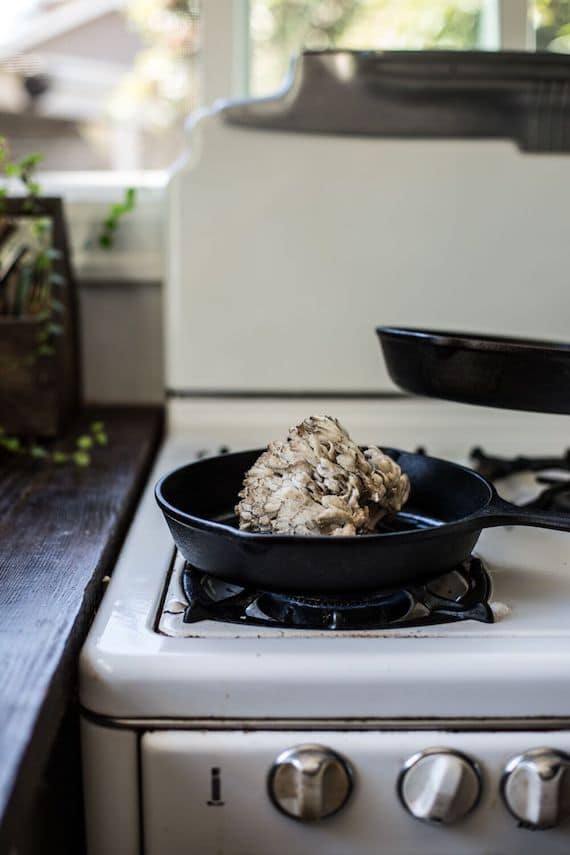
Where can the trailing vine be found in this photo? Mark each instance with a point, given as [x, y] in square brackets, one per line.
[114, 217]
[79, 454]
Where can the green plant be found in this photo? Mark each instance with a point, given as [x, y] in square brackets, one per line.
[35, 293]
[24, 170]
[37, 282]
[79, 454]
[113, 219]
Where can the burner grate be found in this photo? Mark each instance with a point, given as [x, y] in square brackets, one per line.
[459, 595]
[555, 492]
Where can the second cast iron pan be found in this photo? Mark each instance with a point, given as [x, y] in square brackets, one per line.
[513, 373]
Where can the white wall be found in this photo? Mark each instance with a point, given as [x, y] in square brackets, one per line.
[286, 250]
[120, 291]
[122, 343]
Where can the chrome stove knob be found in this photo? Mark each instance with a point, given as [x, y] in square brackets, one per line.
[536, 787]
[310, 782]
[439, 785]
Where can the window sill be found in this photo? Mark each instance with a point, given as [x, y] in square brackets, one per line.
[136, 255]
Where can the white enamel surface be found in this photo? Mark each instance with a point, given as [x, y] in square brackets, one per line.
[518, 666]
[284, 251]
[176, 776]
[110, 789]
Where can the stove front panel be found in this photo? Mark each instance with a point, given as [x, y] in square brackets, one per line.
[207, 792]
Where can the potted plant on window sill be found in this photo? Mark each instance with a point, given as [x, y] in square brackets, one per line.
[39, 354]
[39, 350]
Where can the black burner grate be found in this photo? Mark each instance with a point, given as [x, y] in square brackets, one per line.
[459, 595]
[555, 492]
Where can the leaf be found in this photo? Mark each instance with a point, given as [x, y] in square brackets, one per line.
[81, 458]
[37, 452]
[45, 350]
[113, 219]
[55, 329]
[60, 457]
[41, 225]
[42, 261]
[11, 443]
[84, 442]
[12, 169]
[31, 161]
[57, 279]
[97, 426]
[57, 306]
[101, 438]
[34, 188]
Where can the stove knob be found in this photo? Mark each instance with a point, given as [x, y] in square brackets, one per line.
[536, 787]
[310, 782]
[439, 785]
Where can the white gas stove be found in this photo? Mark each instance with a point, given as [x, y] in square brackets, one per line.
[185, 721]
[216, 737]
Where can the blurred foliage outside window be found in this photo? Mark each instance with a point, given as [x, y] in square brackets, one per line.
[98, 84]
[280, 28]
[162, 84]
[551, 24]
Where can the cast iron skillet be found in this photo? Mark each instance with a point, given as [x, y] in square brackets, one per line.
[516, 374]
[440, 525]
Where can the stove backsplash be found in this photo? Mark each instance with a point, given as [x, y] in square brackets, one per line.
[286, 249]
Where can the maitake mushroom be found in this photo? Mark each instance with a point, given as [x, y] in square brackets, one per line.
[319, 482]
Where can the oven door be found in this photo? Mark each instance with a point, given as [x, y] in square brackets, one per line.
[260, 792]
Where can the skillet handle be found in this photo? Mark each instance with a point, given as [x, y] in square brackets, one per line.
[500, 512]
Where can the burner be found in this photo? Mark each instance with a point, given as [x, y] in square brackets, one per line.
[556, 493]
[493, 467]
[461, 594]
[333, 613]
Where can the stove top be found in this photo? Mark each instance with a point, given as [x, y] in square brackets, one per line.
[143, 659]
[461, 594]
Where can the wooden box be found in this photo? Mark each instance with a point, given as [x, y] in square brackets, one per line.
[39, 393]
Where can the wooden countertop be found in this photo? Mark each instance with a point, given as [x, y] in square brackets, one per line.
[61, 528]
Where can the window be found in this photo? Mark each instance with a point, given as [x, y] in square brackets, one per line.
[107, 84]
[280, 28]
[550, 20]
[98, 84]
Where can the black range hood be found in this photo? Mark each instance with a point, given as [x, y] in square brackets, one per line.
[524, 97]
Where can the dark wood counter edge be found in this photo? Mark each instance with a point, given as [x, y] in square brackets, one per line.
[45, 615]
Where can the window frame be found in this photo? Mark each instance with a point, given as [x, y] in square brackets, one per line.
[225, 68]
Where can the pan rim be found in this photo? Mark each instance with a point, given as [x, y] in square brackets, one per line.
[473, 341]
[206, 524]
